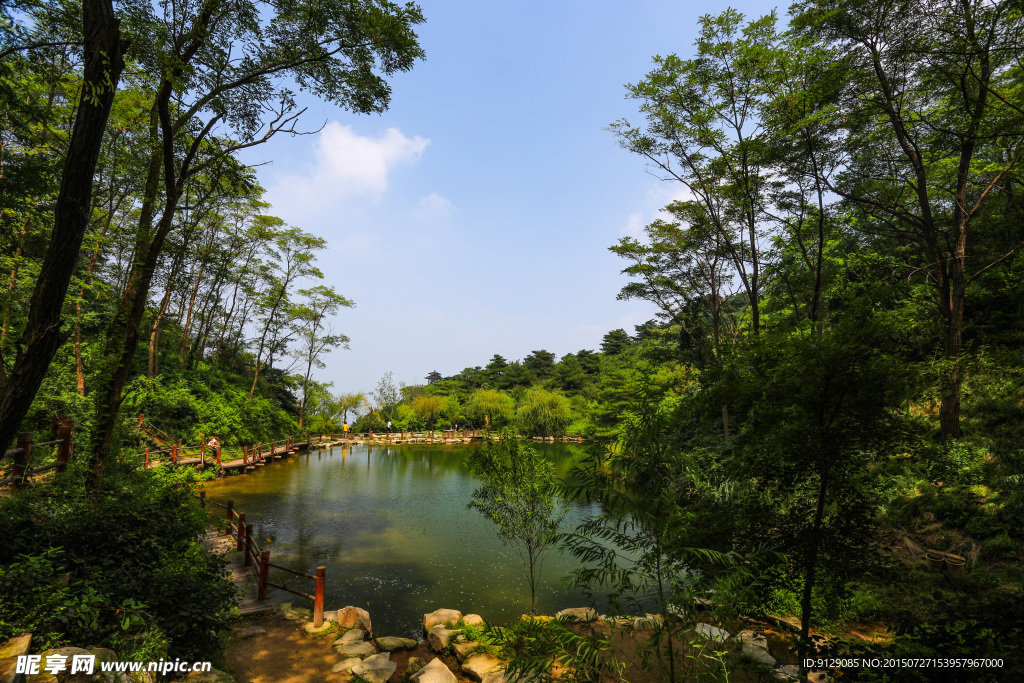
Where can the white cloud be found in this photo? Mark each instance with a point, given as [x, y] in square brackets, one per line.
[658, 196]
[434, 206]
[345, 165]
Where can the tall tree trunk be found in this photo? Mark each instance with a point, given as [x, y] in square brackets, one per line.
[104, 62]
[810, 568]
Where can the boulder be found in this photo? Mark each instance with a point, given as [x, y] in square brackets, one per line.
[478, 665]
[360, 649]
[499, 677]
[463, 650]
[351, 636]
[788, 672]
[435, 671]
[473, 620]
[753, 638]
[10, 650]
[354, 617]
[820, 676]
[758, 654]
[344, 666]
[711, 632]
[440, 637]
[391, 643]
[376, 669]
[414, 665]
[587, 614]
[441, 616]
[250, 632]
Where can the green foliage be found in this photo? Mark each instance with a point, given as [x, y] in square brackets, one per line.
[543, 413]
[100, 554]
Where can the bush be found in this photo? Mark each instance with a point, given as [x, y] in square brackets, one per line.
[133, 546]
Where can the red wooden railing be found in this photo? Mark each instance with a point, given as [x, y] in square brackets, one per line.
[253, 554]
[22, 454]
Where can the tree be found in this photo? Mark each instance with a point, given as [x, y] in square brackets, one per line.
[615, 342]
[543, 413]
[428, 407]
[103, 53]
[519, 496]
[703, 131]
[217, 68]
[541, 363]
[387, 395]
[491, 407]
[316, 336]
[350, 402]
[929, 120]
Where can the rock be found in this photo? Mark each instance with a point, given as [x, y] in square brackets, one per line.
[788, 672]
[102, 655]
[440, 637]
[587, 614]
[331, 615]
[479, 664]
[758, 654]
[461, 639]
[211, 676]
[792, 623]
[250, 632]
[711, 632]
[308, 627]
[354, 617]
[820, 676]
[344, 666]
[473, 620]
[358, 649]
[351, 636]
[435, 671]
[298, 614]
[463, 650]
[752, 637]
[376, 669]
[285, 606]
[391, 643]
[415, 664]
[498, 677]
[10, 650]
[441, 616]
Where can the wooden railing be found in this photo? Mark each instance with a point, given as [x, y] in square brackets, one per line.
[22, 454]
[247, 454]
[253, 554]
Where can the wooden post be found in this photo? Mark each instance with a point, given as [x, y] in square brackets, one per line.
[21, 459]
[141, 418]
[202, 499]
[240, 544]
[248, 545]
[264, 574]
[218, 453]
[66, 431]
[260, 450]
[230, 514]
[146, 465]
[245, 456]
[318, 604]
[174, 454]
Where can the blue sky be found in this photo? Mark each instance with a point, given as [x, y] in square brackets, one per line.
[474, 217]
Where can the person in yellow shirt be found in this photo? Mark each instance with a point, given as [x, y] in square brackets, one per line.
[344, 429]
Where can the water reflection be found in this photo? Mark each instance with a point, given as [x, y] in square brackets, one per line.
[392, 528]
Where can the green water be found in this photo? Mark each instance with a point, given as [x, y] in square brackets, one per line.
[392, 528]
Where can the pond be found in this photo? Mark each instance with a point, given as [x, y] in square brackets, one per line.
[392, 527]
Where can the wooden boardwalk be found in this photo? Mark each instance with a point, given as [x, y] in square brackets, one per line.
[245, 578]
